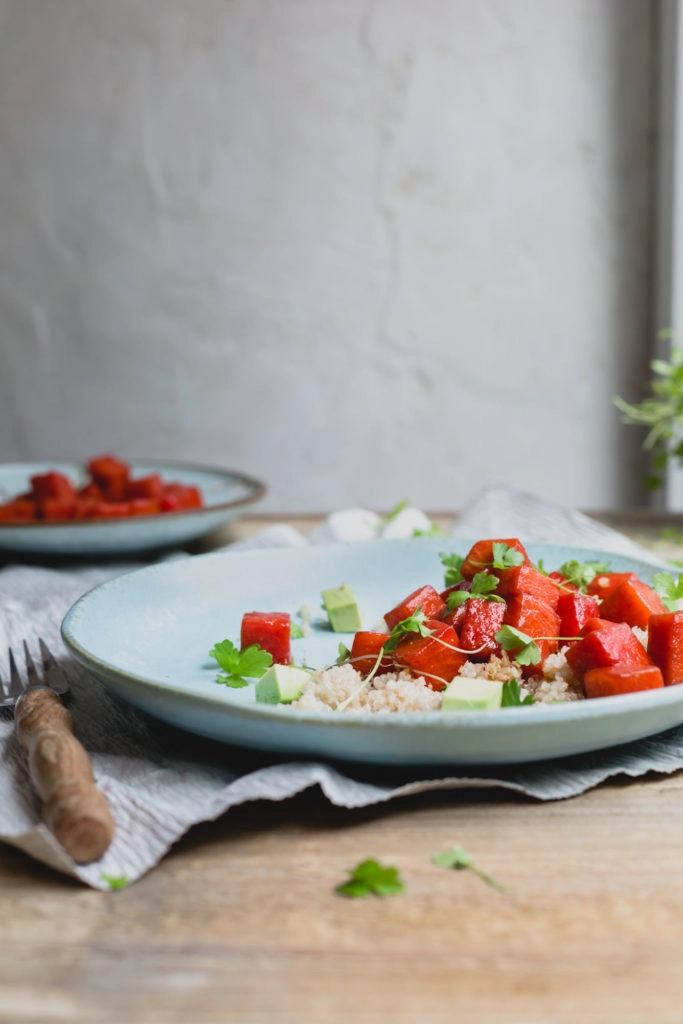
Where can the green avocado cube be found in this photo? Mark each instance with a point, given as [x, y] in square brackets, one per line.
[281, 684]
[466, 694]
[342, 609]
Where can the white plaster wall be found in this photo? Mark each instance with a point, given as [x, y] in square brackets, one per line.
[362, 250]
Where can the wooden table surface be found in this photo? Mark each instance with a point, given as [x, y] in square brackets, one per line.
[241, 923]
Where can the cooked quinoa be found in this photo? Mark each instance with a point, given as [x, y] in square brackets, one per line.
[345, 689]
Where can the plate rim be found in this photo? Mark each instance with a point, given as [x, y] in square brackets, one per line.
[582, 710]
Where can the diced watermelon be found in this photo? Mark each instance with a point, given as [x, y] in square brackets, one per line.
[480, 555]
[616, 679]
[52, 509]
[271, 631]
[665, 645]
[426, 598]
[20, 510]
[575, 610]
[609, 644]
[538, 620]
[481, 622]
[145, 487]
[111, 474]
[603, 585]
[525, 579]
[365, 650]
[632, 602]
[144, 506]
[435, 657]
[109, 510]
[52, 485]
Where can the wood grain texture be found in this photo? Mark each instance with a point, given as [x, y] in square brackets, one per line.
[75, 809]
[241, 923]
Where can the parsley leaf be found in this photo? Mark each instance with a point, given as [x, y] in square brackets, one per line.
[369, 878]
[452, 564]
[415, 623]
[505, 557]
[669, 589]
[525, 648]
[512, 695]
[460, 859]
[295, 631]
[581, 574]
[115, 881]
[343, 653]
[482, 585]
[253, 662]
[433, 531]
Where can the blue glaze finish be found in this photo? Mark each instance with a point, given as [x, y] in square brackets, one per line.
[226, 495]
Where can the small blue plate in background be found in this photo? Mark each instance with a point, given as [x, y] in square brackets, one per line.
[226, 495]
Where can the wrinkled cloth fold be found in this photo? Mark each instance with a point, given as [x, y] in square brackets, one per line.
[160, 781]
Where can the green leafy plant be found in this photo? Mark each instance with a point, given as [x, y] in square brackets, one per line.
[661, 413]
[370, 878]
[237, 665]
[460, 859]
[295, 631]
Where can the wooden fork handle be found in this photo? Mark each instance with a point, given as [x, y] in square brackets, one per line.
[76, 811]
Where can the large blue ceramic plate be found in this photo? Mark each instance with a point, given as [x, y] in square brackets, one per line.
[226, 495]
[147, 634]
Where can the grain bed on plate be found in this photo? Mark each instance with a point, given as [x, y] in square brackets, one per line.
[343, 687]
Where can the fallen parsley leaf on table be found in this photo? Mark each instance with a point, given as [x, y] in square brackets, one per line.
[370, 878]
[669, 589]
[252, 662]
[115, 881]
[460, 859]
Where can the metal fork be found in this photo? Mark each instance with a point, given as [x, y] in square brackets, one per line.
[53, 676]
[59, 768]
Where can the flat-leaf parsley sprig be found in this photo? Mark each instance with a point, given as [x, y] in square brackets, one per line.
[669, 589]
[370, 878]
[452, 563]
[582, 574]
[512, 695]
[483, 583]
[526, 649]
[252, 662]
[460, 859]
[415, 623]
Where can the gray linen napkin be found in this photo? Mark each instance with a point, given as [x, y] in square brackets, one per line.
[160, 781]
